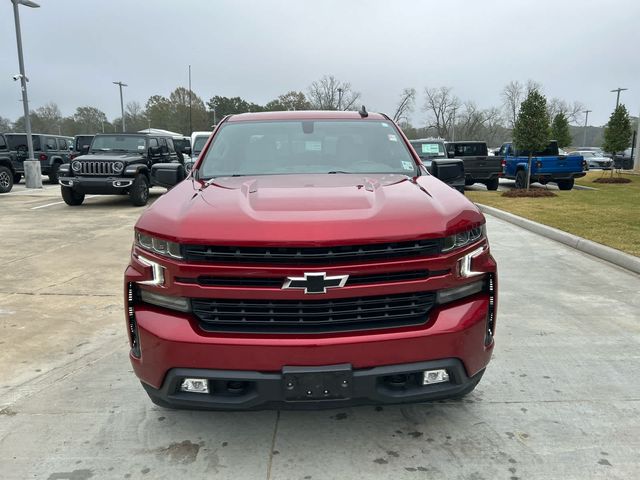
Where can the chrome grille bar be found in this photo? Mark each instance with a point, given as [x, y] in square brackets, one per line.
[97, 168]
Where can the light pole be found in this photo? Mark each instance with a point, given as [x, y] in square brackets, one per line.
[586, 119]
[340, 90]
[32, 169]
[190, 126]
[120, 84]
[618, 96]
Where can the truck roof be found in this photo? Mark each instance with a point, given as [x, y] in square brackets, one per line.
[305, 115]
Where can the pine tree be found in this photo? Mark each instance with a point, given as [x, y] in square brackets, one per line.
[560, 130]
[531, 131]
[617, 133]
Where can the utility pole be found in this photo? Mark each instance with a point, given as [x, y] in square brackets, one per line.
[120, 84]
[584, 134]
[340, 90]
[190, 126]
[453, 126]
[32, 169]
[618, 96]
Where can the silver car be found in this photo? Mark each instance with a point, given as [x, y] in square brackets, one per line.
[594, 159]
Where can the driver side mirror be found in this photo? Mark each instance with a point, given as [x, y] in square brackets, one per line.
[153, 151]
[186, 150]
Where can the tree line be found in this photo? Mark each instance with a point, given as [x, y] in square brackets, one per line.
[444, 114]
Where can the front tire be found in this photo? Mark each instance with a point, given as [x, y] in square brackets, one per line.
[6, 180]
[521, 179]
[492, 184]
[139, 191]
[565, 184]
[71, 197]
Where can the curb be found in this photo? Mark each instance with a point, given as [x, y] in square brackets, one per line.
[611, 255]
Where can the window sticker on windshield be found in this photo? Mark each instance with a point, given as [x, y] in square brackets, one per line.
[313, 146]
[392, 138]
[407, 165]
[430, 148]
[140, 147]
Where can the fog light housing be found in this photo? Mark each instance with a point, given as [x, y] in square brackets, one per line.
[429, 377]
[195, 385]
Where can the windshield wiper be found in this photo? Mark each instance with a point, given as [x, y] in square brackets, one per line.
[337, 171]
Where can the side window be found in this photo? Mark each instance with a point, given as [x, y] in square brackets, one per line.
[3, 143]
[153, 142]
[50, 143]
[170, 145]
[163, 146]
[62, 144]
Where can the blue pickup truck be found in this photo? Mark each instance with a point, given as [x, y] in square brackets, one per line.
[546, 166]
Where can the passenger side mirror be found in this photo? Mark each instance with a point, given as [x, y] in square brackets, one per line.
[186, 150]
[167, 174]
[447, 170]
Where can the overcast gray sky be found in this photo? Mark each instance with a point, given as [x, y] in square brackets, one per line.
[74, 49]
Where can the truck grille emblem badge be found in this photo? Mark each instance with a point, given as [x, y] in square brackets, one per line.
[316, 282]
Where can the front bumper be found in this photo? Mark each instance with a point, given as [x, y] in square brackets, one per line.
[97, 185]
[251, 390]
[170, 342]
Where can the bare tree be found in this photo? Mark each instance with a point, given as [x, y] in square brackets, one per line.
[406, 104]
[512, 96]
[329, 93]
[441, 105]
[572, 111]
[477, 124]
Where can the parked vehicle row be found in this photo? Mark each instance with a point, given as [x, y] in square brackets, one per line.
[50, 150]
[117, 164]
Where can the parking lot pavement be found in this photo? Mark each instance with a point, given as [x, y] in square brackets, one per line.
[560, 399]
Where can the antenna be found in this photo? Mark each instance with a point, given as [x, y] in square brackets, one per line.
[363, 112]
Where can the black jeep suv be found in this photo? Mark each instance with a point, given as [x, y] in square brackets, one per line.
[116, 164]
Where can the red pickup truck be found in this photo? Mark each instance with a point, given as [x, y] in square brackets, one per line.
[309, 260]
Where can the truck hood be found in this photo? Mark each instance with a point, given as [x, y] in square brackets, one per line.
[308, 210]
[125, 157]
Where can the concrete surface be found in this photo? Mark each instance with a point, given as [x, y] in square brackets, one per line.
[617, 257]
[560, 400]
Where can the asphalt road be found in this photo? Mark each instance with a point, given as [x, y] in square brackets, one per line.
[560, 400]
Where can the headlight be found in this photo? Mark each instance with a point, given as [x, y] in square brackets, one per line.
[158, 245]
[464, 238]
[76, 166]
[180, 304]
[118, 167]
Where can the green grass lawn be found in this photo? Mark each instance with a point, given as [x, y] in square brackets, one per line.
[609, 215]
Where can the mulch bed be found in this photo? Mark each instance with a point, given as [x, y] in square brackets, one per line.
[532, 192]
[612, 180]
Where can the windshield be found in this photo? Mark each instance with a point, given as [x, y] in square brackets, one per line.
[122, 143]
[198, 144]
[428, 149]
[82, 141]
[293, 147]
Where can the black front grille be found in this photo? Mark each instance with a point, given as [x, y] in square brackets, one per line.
[277, 282]
[310, 255]
[313, 316]
[97, 168]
